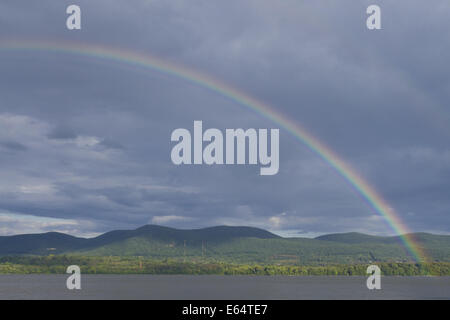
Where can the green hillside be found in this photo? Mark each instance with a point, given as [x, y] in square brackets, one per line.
[241, 245]
[40, 244]
[356, 238]
[295, 251]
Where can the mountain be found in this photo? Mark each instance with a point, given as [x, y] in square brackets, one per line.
[355, 237]
[51, 242]
[421, 238]
[54, 242]
[229, 244]
[160, 233]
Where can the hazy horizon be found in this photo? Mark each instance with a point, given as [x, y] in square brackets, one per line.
[283, 234]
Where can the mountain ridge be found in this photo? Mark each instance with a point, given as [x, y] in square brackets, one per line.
[227, 243]
[40, 243]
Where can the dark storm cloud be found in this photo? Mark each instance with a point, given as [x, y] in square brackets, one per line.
[12, 145]
[62, 133]
[88, 140]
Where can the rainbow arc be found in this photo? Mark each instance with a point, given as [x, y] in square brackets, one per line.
[360, 185]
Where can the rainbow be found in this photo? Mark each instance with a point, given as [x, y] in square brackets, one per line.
[362, 187]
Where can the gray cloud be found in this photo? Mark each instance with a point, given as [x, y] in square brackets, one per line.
[12, 145]
[62, 133]
[88, 139]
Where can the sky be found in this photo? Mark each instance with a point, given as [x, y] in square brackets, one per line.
[85, 142]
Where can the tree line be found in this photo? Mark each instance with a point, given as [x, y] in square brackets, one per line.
[140, 265]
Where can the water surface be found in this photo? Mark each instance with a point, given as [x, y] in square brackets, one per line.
[220, 287]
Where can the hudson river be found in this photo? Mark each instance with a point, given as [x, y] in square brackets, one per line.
[220, 287]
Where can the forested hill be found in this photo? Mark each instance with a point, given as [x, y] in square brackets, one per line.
[54, 242]
[229, 244]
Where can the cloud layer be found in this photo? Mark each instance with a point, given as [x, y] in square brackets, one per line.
[85, 142]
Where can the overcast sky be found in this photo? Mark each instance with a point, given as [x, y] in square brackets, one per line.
[85, 142]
